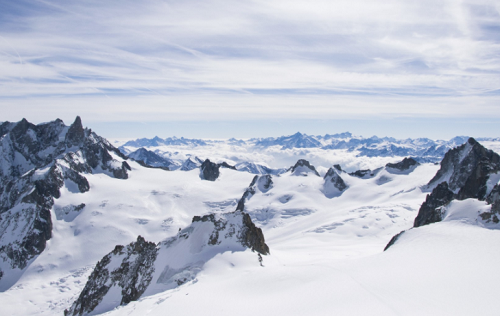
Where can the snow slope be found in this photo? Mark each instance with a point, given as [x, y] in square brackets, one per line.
[330, 261]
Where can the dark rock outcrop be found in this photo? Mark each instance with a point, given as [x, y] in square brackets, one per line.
[394, 239]
[252, 236]
[129, 268]
[430, 210]
[209, 170]
[403, 165]
[302, 167]
[364, 174]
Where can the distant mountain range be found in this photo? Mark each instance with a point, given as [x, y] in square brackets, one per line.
[422, 149]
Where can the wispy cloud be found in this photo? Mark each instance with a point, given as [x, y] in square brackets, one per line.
[180, 59]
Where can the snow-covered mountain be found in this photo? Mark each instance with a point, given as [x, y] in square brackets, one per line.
[86, 230]
[36, 162]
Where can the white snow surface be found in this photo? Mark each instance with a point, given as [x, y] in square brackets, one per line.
[326, 253]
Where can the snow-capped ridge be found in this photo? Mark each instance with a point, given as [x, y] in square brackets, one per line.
[302, 168]
[145, 268]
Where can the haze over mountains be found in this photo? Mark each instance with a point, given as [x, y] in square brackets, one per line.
[186, 226]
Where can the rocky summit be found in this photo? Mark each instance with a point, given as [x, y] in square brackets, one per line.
[464, 173]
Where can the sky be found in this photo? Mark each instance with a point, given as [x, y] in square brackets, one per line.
[254, 68]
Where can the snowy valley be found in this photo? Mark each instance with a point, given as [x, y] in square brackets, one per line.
[294, 225]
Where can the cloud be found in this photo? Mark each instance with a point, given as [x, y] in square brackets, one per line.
[182, 59]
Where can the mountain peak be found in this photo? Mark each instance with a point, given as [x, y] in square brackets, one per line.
[76, 133]
[302, 167]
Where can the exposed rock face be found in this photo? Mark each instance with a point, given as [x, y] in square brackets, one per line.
[130, 269]
[404, 165]
[209, 170]
[302, 168]
[430, 210]
[248, 235]
[252, 236]
[464, 174]
[466, 169]
[37, 161]
[393, 240]
[334, 185]
[143, 268]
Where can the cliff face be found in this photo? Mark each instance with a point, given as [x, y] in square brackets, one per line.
[126, 270]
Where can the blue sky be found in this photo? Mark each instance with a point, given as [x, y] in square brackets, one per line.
[254, 68]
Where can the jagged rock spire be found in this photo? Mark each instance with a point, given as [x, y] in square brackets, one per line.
[76, 133]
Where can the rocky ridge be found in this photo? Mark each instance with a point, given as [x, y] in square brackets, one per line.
[36, 162]
[145, 268]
